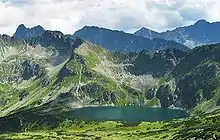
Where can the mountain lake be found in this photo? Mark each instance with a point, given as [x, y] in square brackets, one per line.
[128, 114]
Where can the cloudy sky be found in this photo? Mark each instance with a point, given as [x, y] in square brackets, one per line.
[127, 15]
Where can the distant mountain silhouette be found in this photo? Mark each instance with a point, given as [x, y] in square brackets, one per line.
[200, 33]
[120, 41]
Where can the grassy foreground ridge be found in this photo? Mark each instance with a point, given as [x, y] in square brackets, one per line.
[202, 127]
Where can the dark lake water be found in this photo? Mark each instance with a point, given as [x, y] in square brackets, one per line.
[127, 114]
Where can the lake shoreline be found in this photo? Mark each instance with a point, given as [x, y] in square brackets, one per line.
[126, 113]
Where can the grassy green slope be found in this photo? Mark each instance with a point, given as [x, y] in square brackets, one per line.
[90, 76]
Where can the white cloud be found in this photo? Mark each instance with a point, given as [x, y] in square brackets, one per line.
[127, 15]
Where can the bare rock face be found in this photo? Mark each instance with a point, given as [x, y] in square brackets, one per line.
[23, 32]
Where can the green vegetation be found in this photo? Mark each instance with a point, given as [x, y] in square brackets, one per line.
[153, 102]
[202, 127]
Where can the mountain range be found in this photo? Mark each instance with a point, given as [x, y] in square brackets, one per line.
[109, 39]
[123, 42]
[47, 66]
[45, 75]
[200, 33]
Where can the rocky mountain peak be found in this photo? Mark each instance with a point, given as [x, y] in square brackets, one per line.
[23, 32]
[201, 21]
[21, 26]
[148, 33]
